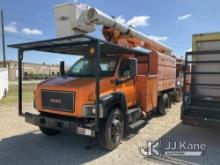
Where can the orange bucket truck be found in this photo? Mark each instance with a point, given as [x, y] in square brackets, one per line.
[111, 89]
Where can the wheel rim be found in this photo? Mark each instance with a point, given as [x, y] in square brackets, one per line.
[116, 128]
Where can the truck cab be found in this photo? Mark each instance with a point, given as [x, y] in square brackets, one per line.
[73, 93]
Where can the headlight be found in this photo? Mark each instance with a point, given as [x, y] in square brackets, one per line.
[88, 110]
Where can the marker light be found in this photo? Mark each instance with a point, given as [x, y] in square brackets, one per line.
[91, 51]
[91, 97]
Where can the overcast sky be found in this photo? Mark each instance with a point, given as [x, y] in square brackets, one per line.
[171, 22]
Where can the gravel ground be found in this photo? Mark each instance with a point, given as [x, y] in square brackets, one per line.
[23, 144]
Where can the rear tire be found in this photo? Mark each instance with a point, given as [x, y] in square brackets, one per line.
[48, 131]
[111, 130]
[163, 104]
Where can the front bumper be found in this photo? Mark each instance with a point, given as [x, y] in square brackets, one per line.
[52, 122]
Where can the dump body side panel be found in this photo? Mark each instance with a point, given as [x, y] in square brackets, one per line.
[156, 74]
[165, 67]
[146, 87]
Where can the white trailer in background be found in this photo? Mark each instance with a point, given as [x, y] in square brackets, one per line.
[3, 82]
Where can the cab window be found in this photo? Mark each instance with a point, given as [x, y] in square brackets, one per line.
[124, 70]
[85, 67]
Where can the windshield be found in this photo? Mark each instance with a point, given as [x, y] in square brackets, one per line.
[85, 67]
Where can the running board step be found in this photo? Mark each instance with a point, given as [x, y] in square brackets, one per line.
[136, 124]
[133, 114]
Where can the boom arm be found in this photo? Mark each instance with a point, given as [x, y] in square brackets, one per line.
[78, 18]
[115, 31]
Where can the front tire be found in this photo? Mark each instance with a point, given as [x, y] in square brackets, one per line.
[48, 131]
[111, 130]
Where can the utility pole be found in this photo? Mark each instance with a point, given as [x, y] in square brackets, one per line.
[3, 39]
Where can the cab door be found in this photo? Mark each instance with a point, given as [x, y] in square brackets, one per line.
[125, 83]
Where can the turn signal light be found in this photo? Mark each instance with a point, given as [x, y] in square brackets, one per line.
[92, 97]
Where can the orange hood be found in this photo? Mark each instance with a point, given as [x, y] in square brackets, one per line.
[74, 82]
[83, 87]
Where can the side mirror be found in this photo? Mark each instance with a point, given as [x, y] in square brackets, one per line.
[62, 68]
[133, 67]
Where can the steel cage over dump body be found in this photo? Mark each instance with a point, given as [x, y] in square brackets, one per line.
[198, 120]
[77, 45]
